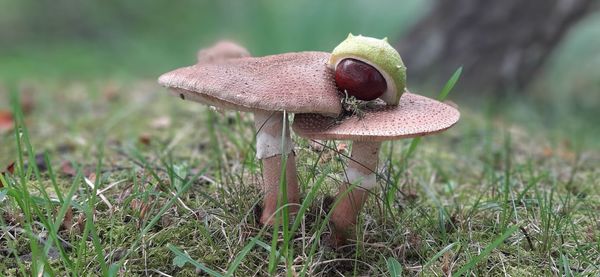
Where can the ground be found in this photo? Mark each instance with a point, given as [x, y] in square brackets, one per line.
[160, 186]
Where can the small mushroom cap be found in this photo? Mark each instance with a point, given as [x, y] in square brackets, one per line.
[222, 50]
[414, 116]
[294, 82]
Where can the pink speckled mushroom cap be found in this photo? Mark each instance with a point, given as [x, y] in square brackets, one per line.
[294, 82]
[414, 116]
[221, 51]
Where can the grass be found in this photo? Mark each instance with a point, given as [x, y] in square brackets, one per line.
[169, 187]
[114, 177]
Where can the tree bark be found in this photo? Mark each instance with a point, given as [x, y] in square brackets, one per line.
[501, 44]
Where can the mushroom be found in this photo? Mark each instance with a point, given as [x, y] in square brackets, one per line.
[221, 51]
[270, 87]
[414, 116]
[369, 69]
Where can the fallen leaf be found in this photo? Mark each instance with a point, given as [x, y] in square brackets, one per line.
[144, 210]
[145, 139]
[134, 204]
[67, 169]
[9, 169]
[447, 263]
[6, 122]
[67, 222]
[81, 222]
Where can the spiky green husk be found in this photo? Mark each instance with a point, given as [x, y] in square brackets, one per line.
[379, 54]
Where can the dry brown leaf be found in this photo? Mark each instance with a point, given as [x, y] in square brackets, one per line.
[144, 210]
[134, 204]
[6, 122]
[67, 222]
[67, 169]
[145, 139]
[447, 264]
[9, 169]
[81, 222]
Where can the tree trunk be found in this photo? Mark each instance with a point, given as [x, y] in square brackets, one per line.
[501, 44]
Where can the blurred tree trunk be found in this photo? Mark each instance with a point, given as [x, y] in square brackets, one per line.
[501, 43]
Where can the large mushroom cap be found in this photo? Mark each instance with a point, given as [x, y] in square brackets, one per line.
[295, 82]
[414, 116]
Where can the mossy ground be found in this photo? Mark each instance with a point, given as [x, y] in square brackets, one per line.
[455, 195]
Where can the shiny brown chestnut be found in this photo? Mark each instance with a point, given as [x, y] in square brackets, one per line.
[359, 79]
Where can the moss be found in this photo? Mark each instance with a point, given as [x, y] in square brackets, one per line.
[451, 191]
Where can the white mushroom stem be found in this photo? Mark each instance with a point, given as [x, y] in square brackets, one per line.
[362, 166]
[272, 141]
[269, 141]
[361, 172]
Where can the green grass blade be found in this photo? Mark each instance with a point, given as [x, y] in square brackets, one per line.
[155, 219]
[268, 248]
[394, 267]
[322, 227]
[238, 259]
[566, 268]
[186, 258]
[450, 84]
[497, 242]
[440, 253]
[310, 197]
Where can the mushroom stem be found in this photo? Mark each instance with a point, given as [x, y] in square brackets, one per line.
[361, 171]
[272, 141]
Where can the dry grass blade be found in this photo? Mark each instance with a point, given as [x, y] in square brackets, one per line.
[102, 197]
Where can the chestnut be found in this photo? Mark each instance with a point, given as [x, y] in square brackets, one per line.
[359, 79]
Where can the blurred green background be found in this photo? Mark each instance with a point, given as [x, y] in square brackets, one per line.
[78, 39]
[62, 40]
